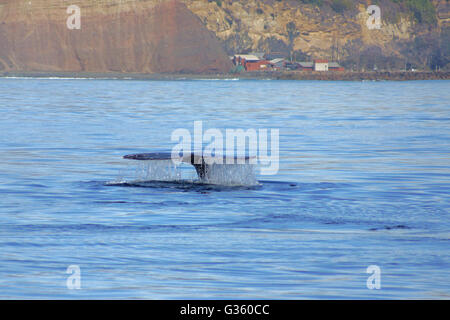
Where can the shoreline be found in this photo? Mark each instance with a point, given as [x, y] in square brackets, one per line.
[272, 75]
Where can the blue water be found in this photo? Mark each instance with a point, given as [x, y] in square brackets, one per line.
[364, 180]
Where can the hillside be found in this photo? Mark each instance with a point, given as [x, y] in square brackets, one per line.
[415, 32]
[115, 36]
[196, 36]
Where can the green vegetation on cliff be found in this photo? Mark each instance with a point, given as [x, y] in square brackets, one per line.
[341, 5]
[423, 11]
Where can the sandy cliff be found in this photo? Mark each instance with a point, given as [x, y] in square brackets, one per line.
[146, 36]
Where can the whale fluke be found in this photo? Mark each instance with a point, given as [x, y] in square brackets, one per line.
[199, 161]
[149, 156]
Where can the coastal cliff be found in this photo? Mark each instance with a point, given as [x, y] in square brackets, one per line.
[153, 36]
[410, 32]
[196, 36]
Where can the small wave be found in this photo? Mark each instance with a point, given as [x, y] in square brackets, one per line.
[400, 226]
[99, 227]
[207, 79]
[186, 185]
[55, 78]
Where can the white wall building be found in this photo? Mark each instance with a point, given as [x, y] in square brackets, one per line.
[320, 65]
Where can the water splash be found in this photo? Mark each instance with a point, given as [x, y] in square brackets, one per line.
[158, 170]
[232, 175]
[167, 171]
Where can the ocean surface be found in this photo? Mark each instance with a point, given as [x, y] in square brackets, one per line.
[364, 179]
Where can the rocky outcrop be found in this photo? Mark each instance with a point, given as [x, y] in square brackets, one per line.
[308, 31]
[146, 36]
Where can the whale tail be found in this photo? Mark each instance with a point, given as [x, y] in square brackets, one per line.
[203, 164]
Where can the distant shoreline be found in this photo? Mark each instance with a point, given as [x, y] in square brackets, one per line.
[275, 75]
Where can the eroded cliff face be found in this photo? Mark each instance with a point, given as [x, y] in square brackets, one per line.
[195, 36]
[146, 36]
[308, 31]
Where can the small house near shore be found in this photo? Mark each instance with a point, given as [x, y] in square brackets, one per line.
[251, 62]
[254, 62]
[334, 66]
[320, 65]
[260, 65]
[306, 66]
